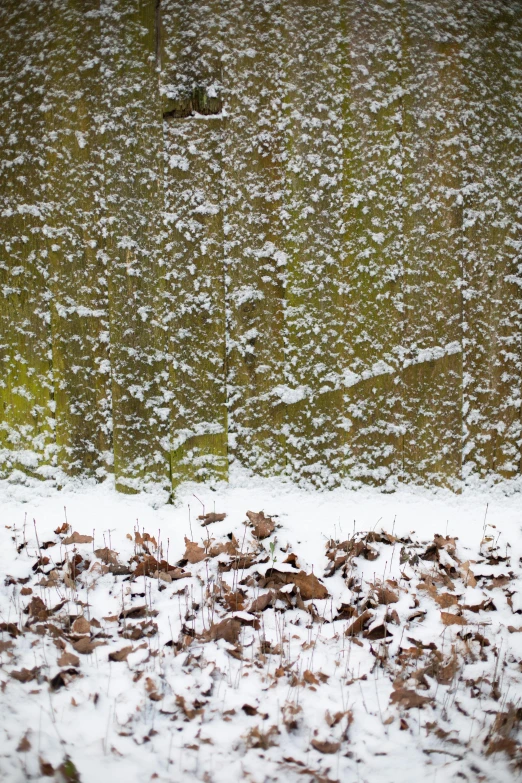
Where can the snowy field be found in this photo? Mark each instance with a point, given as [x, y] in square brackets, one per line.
[344, 636]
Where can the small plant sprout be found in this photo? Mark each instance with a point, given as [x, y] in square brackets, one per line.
[272, 547]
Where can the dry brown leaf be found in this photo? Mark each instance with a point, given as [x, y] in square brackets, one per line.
[467, 574]
[380, 538]
[386, 596]
[358, 624]
[208, 519]
[499, 581]
[68, 659]
[189, 712]
[337, 563]
[52, 580]
[427, 584]
[78, 538]
[242, 561]
[326, 746]
[24, 745]
[445, 600]
[62, 529]
[81, 626]
[235, 652]
[431, 553]
[148, 566]
[136, 612]
[440, 733]
[408, 699]
[256, 738]
[4, 646]
[447, 543]
[26, 591]
[347, 550]
[11, 629]
[502, 745]
[345, 612]
[228, 630]
[333, 720]
[310, 678]
[63, 678]
[37, 609]
[452, 619]
[170, 576]
[144, 539]
[234, 602]
[84, 646]
[150, 685]
[377, 632]
[309, 586]
[120, 655]
[445, 674]
[25, 675]
[224, 548]
[46, 769]
[107, 556]
[193, 552]
[392, 617]
[369, 553]
[69, 582]
[483, 606]
[290, 713]
[302, 769]
[263, 526]
[262, 602]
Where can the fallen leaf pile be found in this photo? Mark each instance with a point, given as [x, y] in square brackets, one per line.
[237, 629]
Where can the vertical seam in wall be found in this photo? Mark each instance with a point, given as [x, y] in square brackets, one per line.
[52, 377]
[462, 275]
[157, 34]
[224, 212]
[226, 320]
[404, 314]
[158, 44]
[106, 245]
[285, 111]
[52, 307]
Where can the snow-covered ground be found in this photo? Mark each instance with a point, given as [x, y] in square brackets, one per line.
[339, 636]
